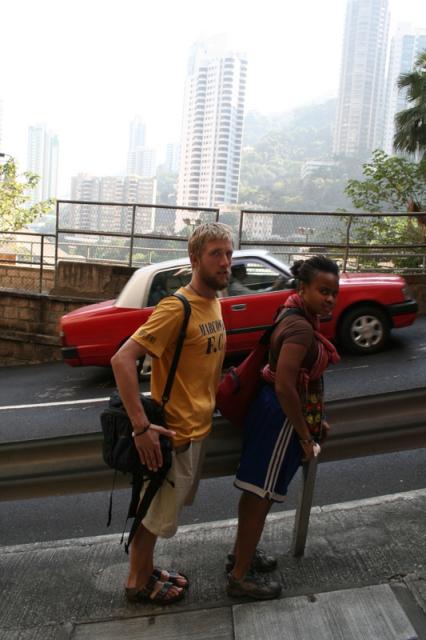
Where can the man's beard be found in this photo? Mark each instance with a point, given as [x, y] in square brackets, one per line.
[213, 282]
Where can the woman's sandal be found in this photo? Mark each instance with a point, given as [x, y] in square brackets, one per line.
[149, 593]
[169, 575]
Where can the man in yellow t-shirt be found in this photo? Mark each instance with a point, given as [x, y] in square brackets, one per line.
[190, 407]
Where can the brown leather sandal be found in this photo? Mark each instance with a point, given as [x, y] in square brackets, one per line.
[149, 593]
[172, 576]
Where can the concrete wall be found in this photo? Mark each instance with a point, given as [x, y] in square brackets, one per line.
[29, 321]
[417, 285]
[29, 326]
[101, 281]
[26, 278]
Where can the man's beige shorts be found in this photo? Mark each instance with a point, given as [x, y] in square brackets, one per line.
[185, 472]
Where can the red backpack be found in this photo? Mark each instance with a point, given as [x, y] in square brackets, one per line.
[240, 385]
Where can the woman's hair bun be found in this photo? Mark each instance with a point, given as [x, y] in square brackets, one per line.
[296, 266]
[306, 270]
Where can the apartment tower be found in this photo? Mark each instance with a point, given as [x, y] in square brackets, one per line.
[42, 159]
[112, 189]
[141, 161]
[360, 110]
[407, 44]
[212, 126]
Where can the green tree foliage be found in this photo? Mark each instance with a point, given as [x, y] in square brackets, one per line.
[410, 124]
[14, 194]
[391, 184]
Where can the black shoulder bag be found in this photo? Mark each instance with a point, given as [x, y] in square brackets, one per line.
[119, 450]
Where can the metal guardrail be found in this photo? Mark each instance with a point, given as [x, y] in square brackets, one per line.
[365, 426]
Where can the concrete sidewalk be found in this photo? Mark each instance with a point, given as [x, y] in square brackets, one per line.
[363, 577]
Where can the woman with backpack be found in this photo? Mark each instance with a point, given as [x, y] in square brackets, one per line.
[286, 421]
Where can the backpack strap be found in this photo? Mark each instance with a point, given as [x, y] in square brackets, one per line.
[137, 484]
[289, 311]
[170, 378]
[150, 491]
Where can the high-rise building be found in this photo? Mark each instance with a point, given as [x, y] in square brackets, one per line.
[360, 110]
[407, 44]
[139, 190]
[117, 191]
[212, 126]
[42, 159]
[84, 187]
[172, 162]
[137, 137]
[145, 162]
[141, 160]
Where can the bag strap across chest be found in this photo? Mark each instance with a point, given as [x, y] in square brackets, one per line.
[289, 311]
[170, 378]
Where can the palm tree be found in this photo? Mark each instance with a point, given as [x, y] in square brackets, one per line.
[410, 124]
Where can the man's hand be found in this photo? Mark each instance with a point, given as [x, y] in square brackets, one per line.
[148, 446]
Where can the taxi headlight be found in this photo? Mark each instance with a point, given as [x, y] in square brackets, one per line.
[407, 293]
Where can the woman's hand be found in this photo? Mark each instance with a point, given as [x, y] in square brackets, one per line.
[311, 449]
[149, 448]
[308, 447]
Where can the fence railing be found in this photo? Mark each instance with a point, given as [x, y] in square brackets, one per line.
[358, 241]
[131, 234]
[34, 253]
[138, 234]
[382, 423]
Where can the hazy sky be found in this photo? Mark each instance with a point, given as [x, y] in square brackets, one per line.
[86, 67]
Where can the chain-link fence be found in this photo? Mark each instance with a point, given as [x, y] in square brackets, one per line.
[357, 241]
[132, 234]
[139, 234]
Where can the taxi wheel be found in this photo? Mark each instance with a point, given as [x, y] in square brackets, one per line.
[364, 329]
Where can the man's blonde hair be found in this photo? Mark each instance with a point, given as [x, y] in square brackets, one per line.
[207, 232]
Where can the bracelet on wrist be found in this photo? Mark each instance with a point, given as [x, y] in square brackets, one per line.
[307, 441]
[142, 431]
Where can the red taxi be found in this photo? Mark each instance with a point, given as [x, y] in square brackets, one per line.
[368, 306]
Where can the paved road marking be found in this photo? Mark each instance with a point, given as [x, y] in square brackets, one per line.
[56, 404]
[339, 369]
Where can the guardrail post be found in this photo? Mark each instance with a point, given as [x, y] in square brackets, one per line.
[132, 235]
[41, 264]
[301, 524]
[348, 240]
[240, 229]
[57, 226]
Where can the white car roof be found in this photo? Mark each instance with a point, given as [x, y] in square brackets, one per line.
[134, 292]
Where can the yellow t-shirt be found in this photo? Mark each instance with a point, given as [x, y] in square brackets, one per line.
[192, 399]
